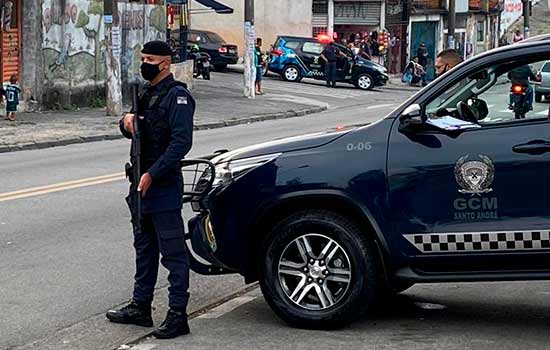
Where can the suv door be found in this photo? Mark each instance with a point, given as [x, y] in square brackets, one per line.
[344, 63]
[474, 200]
[310, 54]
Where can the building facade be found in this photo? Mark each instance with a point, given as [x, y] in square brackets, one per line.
[346, 18]
[476, 27]
[272, 18]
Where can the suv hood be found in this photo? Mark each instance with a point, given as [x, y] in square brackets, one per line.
[373, 65]
[295, 143]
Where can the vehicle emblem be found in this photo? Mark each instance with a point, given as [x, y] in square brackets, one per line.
[475, 176]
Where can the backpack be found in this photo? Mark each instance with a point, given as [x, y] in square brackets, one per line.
[407, 76]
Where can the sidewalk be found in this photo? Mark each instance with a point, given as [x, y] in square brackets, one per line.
[219, 104]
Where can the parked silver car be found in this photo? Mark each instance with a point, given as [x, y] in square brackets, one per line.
[543, 87]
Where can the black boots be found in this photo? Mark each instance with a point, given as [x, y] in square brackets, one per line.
[133, 313]
[174, 325]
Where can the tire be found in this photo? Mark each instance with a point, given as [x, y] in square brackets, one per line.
[364, 82]
[206, 75]
[350, 255]
[538, 97]
[220, 67]
[291, 73]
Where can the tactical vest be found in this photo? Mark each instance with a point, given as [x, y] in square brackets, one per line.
[155, 127]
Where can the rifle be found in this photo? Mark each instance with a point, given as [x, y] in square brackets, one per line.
[134, 200]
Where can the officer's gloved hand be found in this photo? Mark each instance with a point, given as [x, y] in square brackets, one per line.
[129, 122]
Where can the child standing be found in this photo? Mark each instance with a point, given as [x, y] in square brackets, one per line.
[12, 98]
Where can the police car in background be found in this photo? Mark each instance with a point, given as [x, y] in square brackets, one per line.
[294, 58]
[449, 187]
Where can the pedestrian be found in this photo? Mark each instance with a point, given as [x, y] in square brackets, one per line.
[365, 48]
[165, 119]
[422, 55]
[446, 60]
[259, 62]
[414, 73]
[518, 36]
[329, 56]
[12, 92]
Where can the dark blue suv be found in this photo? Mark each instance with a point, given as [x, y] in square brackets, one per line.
[449, 187]
[294, 58]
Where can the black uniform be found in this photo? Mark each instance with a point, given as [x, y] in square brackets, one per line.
[167, 134]
[330, 54]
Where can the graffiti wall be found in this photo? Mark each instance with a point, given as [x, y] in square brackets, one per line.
[138, 24]
[73, 42]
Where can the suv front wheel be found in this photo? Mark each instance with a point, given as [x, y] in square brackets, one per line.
[320, 271]
[365, 82]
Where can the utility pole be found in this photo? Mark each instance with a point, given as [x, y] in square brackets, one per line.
[249, 46]
[451, 25]
[330, 29]
[526, 18]
[184, 29]
[113, 89]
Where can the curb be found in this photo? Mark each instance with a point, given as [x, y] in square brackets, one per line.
[204, 126]
[242, 291]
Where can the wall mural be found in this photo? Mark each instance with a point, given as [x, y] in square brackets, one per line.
[139, 24]
[74, 40]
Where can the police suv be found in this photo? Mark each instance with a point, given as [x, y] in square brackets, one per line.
[294, 58]
[449, 187]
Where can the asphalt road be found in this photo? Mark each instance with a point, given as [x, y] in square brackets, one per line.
[469, 316]
[66, 247]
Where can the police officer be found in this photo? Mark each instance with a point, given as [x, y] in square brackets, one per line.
[329, 55]
[165, 112]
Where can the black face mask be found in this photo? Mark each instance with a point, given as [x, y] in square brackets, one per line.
[149, 71]
[444, 71]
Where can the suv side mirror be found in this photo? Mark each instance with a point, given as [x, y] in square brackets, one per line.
[411, 116]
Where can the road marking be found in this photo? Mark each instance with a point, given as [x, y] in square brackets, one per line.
[227, 307]
[144, 346]
[62, 186]
[381, 106]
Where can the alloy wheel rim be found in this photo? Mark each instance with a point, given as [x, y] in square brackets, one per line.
[314, 272]
[364, 82]
[291, 73]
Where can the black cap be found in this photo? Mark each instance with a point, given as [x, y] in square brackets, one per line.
[157, 48]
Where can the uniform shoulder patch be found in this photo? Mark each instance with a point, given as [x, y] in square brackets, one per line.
[181, 100]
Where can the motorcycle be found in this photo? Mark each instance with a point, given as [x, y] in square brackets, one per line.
[520, 101]
[201, 65]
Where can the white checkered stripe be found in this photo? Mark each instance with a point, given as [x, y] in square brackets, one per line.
[480, 241]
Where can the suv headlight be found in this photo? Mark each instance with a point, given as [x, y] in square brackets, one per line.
[380, 68]
[229, 170]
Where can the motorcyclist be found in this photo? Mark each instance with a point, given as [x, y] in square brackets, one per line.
[521, 76]
[194, 49]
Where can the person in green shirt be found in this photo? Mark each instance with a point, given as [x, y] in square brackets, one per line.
[259, 63]
[12, 92]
